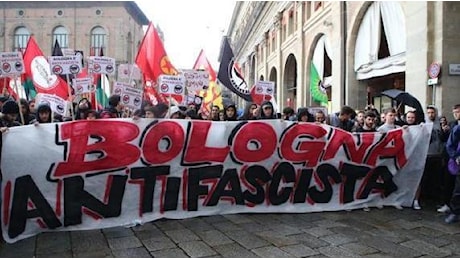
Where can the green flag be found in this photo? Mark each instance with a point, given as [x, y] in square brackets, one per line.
[318, 93]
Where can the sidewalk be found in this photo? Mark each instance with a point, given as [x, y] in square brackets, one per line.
[384, 232]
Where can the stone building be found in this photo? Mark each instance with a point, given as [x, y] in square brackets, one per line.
[113, 26]
[357, 50]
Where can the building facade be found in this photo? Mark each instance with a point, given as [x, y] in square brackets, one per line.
[347, 53]
[113, 27]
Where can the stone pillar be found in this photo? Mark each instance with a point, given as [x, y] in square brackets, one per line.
[418, 52]
[281, 92]
[449, 39]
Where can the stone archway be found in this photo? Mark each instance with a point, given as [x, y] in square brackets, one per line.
[290, 82]
[377, 56]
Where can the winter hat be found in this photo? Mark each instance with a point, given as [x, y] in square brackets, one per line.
[173, 110]
[10, 107]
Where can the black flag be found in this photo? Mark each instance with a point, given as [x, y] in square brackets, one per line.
[57, 51]
[230, 76]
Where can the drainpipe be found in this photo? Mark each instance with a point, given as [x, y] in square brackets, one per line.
[343, 51]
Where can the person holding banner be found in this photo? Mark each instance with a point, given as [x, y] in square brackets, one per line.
[343, 118]
[369, 123]
[10, 111]
[214, 116]
[267, 111]
[84, 105]
[115, 108]
[27, 115]
[303, 115]
[230, 113]
[44, 114]
[249, 112]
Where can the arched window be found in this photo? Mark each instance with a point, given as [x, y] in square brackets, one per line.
[21, 36]
[98, 41]
[61, 34]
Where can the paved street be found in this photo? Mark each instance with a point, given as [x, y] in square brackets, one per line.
[384, 232]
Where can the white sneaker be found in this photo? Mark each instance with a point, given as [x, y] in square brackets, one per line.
[398, 207]
[416, 205]
[444, 209]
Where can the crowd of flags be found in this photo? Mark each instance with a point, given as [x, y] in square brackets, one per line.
[151, 59]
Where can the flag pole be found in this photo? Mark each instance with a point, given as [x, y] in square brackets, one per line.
[95, 92]
[4, 87]
[72, 114]
[19, 101]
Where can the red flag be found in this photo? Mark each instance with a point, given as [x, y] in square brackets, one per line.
[202, 63]
[5, 87]
[213, 95]
[153, 60]
[38, 69]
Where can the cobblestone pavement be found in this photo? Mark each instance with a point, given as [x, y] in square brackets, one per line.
[387, 232]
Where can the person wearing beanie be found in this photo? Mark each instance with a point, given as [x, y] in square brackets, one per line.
[160, 110]
[176, 113]
[10, 111]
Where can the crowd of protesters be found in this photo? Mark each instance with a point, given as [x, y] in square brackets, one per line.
[436, 182]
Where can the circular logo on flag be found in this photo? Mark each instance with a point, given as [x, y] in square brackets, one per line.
[197, 100]
[41, 73]
[117, 91]
[166, 66]
[164, 88]
[137, 101]
[79, 88]
[109, 68]
[60, 108]
[91, 88]
[126, 99]
[6, 67]
[178, 89]
[269, 90]
[259, 89]
[18, 66]
[74, 69]
[57, 70]
[96, 67]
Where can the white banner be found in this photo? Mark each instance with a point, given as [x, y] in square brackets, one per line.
[195, 80]
[94, 174]
[130, 96]
[11, 63]
[62, 65]
[101, 65]
[265, 88]
[57, 104]
[129, 71]
[82, 85]
[171, 85]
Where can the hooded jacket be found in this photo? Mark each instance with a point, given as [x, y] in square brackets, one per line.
[262, 115]
[437, 138]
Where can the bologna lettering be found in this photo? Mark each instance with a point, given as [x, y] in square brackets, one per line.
[121, 172]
